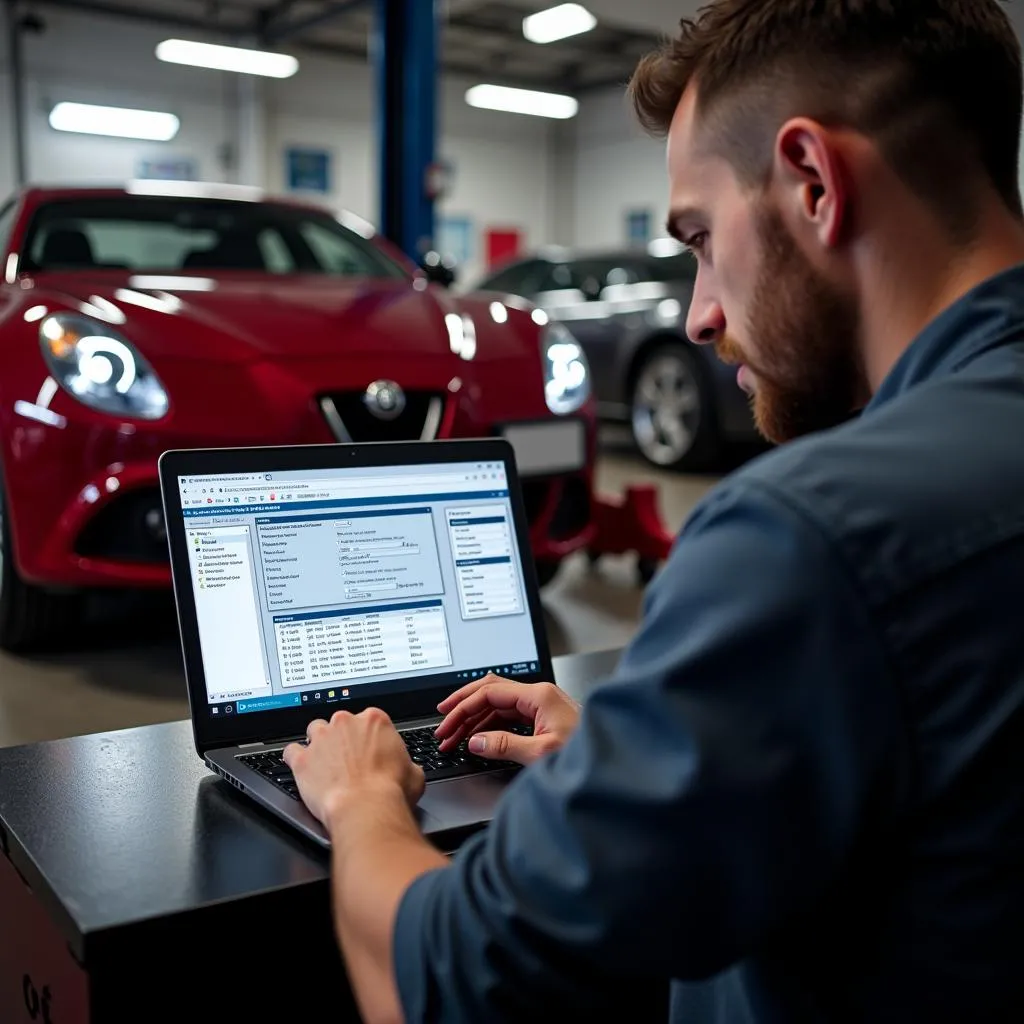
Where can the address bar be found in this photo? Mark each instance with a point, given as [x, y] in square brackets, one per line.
[371, 482]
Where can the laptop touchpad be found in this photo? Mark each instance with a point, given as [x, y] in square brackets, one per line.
[457, 803]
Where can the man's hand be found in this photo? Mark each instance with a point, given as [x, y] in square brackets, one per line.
[482, 708]
[352, 756]
[356, 777]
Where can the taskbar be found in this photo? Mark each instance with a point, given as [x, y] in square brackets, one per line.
[338, 693]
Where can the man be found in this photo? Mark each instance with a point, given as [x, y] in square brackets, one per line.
[805, 784]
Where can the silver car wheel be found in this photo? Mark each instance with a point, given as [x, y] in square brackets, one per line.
[667, 409]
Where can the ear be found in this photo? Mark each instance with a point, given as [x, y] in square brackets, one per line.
[810, 170]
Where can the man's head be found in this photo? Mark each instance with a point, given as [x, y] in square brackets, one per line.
[802, 134]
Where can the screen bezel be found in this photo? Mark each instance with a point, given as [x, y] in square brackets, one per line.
[211, 731]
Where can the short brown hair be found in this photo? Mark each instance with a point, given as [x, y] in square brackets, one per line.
[937, 83]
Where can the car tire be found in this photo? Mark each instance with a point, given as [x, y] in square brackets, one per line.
[672, 410]
[30, 618]
[547, 571]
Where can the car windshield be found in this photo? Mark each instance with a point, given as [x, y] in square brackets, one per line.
[161, 235]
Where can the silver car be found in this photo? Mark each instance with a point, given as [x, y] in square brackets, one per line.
[628, 311]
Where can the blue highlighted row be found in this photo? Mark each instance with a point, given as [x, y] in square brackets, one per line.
[376, 514]
[285, 700]
[482, 561]
[476, 522]
[342, 613]
[311, 506]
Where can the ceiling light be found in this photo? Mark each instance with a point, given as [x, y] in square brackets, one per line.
[227, 58]
[558, 23]
[118, 122]
[522, 101]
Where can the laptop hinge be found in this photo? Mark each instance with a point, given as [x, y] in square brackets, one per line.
[246, 746]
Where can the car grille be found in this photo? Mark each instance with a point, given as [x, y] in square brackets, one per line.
[351, 421]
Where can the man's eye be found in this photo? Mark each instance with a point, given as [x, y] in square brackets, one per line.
[696, 243]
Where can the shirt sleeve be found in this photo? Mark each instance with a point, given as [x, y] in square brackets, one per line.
[713, 790]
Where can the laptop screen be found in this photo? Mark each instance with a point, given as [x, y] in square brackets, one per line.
[321, 586]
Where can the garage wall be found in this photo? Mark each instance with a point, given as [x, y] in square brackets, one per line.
[616, 169]
[503, 163]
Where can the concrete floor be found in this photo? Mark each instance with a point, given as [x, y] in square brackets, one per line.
[130, 674]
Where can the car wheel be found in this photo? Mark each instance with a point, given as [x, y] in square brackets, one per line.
[546, 572]
[30, 618]
[673, 411]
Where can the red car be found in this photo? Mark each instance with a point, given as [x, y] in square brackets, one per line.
[133, 321]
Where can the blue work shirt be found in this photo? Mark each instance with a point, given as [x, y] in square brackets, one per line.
[804, 786]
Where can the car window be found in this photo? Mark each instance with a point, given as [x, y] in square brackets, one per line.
[592, 276]
[681, 267]
[523, 279]
[160, 234]
[334, 252]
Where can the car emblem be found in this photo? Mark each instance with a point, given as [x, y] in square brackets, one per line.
[384, 399]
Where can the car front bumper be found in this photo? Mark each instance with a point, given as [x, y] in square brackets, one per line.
[85, 506]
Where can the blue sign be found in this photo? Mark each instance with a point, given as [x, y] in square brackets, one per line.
[308, 170]
[182, 168]
[638, 227]
[455, 239]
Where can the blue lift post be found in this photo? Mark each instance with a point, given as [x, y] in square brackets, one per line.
[406, 44]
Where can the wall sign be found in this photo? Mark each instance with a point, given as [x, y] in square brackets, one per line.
[638, 228]
[455, 239]
[503, 245]
[181, 168]
[308, 170]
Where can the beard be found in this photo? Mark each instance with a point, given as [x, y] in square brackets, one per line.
[805, 331]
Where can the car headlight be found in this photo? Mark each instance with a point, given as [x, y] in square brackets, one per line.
[566, 374]
[97, 366]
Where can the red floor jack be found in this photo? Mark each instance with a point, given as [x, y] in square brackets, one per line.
[632, 525]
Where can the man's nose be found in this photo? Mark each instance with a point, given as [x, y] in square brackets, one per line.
[705, 323]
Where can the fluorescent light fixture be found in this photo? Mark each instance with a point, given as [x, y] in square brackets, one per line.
[522, 101]
[119, 122]
[558, 23]
[227, 58]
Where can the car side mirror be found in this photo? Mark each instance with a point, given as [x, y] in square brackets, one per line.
[438, 270]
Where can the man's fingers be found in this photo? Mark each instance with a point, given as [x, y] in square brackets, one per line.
[508, 746]
[290, 752]
[485, 720]
[500, 695]
[459, 695]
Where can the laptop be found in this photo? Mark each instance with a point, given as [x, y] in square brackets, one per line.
[317, 578]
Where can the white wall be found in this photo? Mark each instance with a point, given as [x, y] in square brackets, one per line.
[503, 163]
[616, 169]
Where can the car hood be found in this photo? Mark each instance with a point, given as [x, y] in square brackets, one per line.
[241, 318]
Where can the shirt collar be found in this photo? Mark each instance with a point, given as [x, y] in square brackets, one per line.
[989, 315]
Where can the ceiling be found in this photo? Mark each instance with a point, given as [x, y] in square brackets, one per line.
[480, 38]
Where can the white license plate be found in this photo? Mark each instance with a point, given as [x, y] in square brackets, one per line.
[545, 448]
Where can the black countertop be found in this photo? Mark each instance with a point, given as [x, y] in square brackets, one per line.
[128, 827]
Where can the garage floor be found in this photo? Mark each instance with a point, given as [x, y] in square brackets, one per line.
[130, 674]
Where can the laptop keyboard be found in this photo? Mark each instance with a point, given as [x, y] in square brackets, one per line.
[423, 749]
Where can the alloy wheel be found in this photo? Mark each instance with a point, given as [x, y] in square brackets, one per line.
[667, 409]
